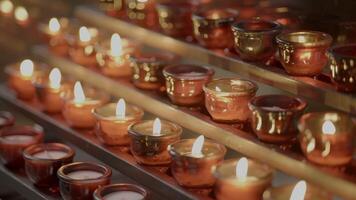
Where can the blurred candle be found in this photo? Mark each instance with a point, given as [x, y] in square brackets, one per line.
[6, 8]
[22, 16]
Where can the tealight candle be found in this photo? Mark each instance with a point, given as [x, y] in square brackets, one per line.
[43, 160]
[6, 119]
[192, 161]
[185, 83]
[245, 178]
[22, 76]
[79, 180]
[51, 92]
[123, 191]
[6, 8]
[82, 49]
[113, 121]
[77, 110]
[150, 139]
[21, 16]
[13, 140]
[227, 99]
[115, 61]
[326, 138]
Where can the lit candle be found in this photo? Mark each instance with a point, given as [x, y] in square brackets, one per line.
[150, 139]
[113, 121]
[78, 110]
[114, 62]
[123, 191]
[22, 16]
[54, 26]
[244, 178]
[199, 154]
[299, 191]
[6, 8]
[326, 138]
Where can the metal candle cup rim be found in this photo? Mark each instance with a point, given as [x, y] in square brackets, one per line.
[9, 119]
[28, 152]
[177, 71]
[62, 175]
[250, 90]
[232, 15]
[173, 152]
[259, 179]
[254, 103]
[21, 130]
[335, 50]
[274, 27]
[101, 192]
[322, 39]
[155, 58]
[97, 112]
[178, 129]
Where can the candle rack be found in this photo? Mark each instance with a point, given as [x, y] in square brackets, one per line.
[289, 161]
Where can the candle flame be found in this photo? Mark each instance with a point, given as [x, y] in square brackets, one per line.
[54, 25]
[79, 96]
[217, 89]
[328, 128]
[21, 14]
[120, 109]
[242, 169]
[26, 68]
[198, 146]
[6, 6]
[156, 131]
[116, 45]
[299, 191]
[84, 34]
[55, 78]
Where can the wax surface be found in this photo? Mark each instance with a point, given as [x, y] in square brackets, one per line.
[18, 139]
[85, 174]
[51, 154]
[123, 195]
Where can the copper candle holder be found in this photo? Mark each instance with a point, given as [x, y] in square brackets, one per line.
[274, 117]
[43, 160]
[82, 46]
[13, 140]
[185, 83]
[191, 170]
[249, 185]
[23, 75]
[78, 106]
[112, 123]
[142, 13]
[227, 99]
[326, 138]
[175, 17]
[343, 59]
[254, 39]
[150, 139]
[303, 53]
[212, 27]
[6, 119]
[79, 180]
[147, 69]
[121, 191]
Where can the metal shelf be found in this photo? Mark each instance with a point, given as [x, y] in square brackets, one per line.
[309, 88]
[288, 161]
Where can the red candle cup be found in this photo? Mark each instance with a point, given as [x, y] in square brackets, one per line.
[149, 145]
[227, 99]
[142, 13]
[254, 39]
[79, 180]
[252, 186]
[14, 140]
[43, 160]
[195, 171]
[121, 191]
[343, 59]
[6, 119]
[212, 27]
[22, 79]
[111, 127]
[303, 53]
[274, 117]
[175, 17]
[185, 83]
[326, 138]
[147, 69]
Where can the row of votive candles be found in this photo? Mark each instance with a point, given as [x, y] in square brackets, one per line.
[49, 165]
[20, 13]
[302, 53]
